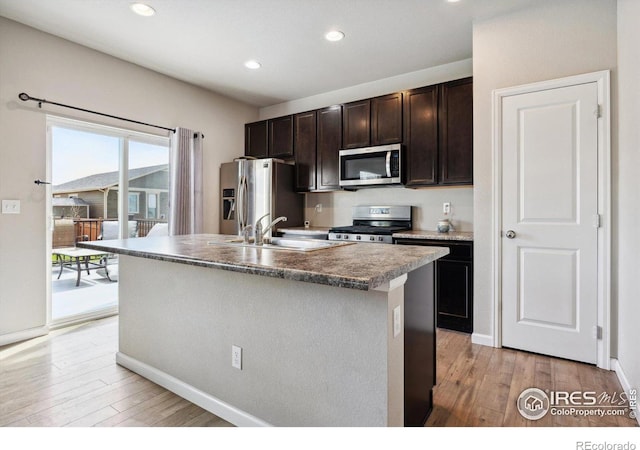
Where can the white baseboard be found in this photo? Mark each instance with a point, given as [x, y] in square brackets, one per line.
[482, 339]
[212, 404]
[11, 338]
[81, 318]
[624, 381]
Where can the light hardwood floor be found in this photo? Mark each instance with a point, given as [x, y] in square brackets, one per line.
[70, 378]
[479, 386]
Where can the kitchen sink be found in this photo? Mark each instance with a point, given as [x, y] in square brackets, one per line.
[300, 245]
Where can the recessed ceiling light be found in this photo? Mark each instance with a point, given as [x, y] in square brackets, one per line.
[252, 64]
[142, 10]
[334, 35]
[453, 1]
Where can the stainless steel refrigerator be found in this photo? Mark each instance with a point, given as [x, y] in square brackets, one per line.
[252, 188]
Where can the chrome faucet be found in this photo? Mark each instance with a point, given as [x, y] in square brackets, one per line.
[260, 232]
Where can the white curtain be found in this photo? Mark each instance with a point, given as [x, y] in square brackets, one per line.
[185, 183]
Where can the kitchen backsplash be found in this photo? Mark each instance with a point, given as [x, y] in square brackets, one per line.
[336, 206]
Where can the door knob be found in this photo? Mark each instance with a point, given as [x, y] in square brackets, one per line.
[510, 234]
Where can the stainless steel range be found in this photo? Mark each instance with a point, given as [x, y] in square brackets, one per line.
[372, 223]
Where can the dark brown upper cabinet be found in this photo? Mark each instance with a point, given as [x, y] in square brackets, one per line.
[280, 137]
[455, 119]
[255, 139]
[356, 124]
[421, 136]
[386, 119]
[329, 140]
[434, 124]
[438, 134]
[304, 142]
[271, 138]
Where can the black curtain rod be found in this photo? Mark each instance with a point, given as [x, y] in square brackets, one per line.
[25, 97]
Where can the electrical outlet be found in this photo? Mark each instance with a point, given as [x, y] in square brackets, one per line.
[397, 321]
[10, 206]
[446, 208]
[236, 357]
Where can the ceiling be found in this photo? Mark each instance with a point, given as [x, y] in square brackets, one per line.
[206, 42]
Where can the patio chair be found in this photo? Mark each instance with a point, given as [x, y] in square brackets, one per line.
[159, 229]
[109, 229]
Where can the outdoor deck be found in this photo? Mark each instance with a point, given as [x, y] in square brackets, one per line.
[94, 293]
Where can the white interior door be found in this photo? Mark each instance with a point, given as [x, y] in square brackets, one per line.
[549, 221]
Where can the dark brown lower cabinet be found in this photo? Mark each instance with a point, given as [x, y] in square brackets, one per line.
[453, 283]
[419, 346]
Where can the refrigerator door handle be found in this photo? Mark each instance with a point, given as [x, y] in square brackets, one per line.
[240, 205]
[245, 202]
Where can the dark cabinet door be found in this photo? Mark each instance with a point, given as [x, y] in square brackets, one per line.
[281, 137]
[454, 291]
[255, 139]
[453, 283]
[421, 136]
[356, 124]
[419, 345]
[456, 132]
[329, 141]
[386, 119]
[304, 142]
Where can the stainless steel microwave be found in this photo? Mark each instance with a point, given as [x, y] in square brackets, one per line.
[371, 166]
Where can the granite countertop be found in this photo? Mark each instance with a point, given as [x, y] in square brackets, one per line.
[428, 234]
[354, 266]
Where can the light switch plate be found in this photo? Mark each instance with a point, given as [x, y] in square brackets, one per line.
[10, 206]
[236, 357]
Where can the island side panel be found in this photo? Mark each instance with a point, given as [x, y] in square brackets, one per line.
[420, 345]
[312, 354]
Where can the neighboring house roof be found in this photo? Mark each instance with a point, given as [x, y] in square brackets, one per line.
[105, 180]
[69, 201]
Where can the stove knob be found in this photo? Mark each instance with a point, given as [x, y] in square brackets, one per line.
[357, 238]
[338, 236]
[372, 238]
[380, 238]
[345, 236]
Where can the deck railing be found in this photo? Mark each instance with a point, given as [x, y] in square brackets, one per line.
[90, 229]
[145, 225]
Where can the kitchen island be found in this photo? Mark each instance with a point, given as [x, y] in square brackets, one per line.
[316, 328]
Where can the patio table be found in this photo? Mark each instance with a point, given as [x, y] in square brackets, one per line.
[73, 258]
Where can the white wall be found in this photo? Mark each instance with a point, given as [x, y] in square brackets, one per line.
[428, 201]
[540, 43]
[628, 207]
[48, 67]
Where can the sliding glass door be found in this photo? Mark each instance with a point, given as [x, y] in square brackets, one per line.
[106, 183]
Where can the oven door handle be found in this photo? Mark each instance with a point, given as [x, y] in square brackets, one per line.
[388, 164]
